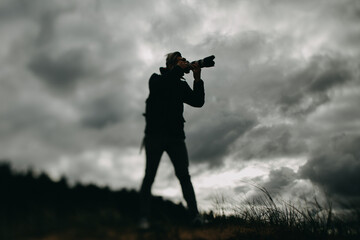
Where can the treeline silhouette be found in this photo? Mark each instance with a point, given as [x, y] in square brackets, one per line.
[35, 205]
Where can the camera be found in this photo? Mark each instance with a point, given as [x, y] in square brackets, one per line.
[205, 62]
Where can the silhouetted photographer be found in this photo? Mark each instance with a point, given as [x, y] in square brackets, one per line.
[164, 129]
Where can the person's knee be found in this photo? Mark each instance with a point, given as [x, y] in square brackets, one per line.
[149, 179]
[183, 176]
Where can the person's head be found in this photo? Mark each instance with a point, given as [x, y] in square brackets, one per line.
[172, 59]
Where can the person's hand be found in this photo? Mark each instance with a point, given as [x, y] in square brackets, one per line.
[196, 71]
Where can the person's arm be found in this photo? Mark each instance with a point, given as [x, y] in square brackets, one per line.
[195, 97]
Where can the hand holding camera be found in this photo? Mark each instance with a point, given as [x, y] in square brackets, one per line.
[195, 67]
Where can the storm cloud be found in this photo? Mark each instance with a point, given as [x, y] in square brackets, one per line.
[335, 166]
[269, 142]
[308, 89]
[213, 144]
[61, 73]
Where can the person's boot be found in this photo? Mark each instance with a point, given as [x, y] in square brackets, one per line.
[143, 224]
[198, 220]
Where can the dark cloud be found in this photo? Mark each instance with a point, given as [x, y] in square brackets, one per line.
[270, 142]
[63, 72]
[309, 89]
[213, 141]
[280, 179]
[339, 116]
[279, 182]
[101, 112]
[335, 166]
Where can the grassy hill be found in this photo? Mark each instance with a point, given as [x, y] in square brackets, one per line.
[36, 207]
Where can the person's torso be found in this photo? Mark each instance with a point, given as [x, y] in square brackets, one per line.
[165, 107]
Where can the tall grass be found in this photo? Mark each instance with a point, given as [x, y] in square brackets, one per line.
[312, 217]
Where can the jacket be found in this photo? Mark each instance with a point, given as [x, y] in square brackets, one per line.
[165, 103]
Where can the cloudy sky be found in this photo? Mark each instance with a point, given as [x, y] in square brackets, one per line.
[282, 102]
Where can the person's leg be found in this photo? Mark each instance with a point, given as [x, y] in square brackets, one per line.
[154, 148]
[177, 152]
